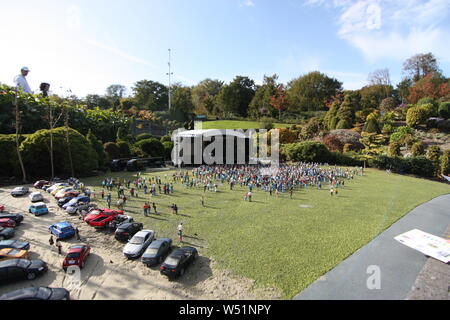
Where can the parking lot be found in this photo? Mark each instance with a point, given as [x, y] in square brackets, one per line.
[107, 273]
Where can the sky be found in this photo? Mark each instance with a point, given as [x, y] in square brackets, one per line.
[85, 46]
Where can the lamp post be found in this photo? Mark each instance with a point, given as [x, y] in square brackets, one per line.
[170, 74]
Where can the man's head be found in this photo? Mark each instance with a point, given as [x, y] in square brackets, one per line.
[25, 71]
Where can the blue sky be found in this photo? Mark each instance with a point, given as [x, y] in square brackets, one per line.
[88, 45]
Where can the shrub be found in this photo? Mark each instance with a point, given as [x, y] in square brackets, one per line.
[312, 128]
[333, 143]
[96, 144]
[421, 166]
[418, 149]
[444, 110]
[416, 116]
[371, 125]
[388, 128]
[168, 147]
[166, 139]
[124, 149]
[307, 151]
[333, 123]
[143, 136]
[348, 137]
[344, 124]
[445, 163]
[394, 149]
[112, 150]
[402, 135]
[388, 104]
[151, 147]
[8, 160]
[434, 154]
[36, 153]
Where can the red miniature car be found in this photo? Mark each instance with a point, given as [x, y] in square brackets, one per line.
[76, 256]
[100, 218]
[2, 208]
[7, 223]
[39, 184]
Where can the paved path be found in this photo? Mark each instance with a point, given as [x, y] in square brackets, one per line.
[399, 265]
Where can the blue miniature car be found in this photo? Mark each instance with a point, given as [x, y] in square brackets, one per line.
[62, 230]
[79, 199]
[38, 209]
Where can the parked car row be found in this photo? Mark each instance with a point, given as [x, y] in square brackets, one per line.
[8, 223]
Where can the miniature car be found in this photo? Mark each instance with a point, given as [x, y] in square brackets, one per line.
[138, 244]
[36, 197]
[62, 230]
[11, 253]
[76, 256]
[19, 191]
[100, 218]
[7, 223]
[178, 261]
[38, 209]
[157, 251]
[37, 293]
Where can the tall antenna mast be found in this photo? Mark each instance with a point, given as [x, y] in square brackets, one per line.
[170, 88]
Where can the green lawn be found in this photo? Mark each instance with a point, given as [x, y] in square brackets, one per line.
[235, 124]
[285, 243]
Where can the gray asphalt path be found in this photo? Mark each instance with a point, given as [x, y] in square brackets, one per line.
[398, 264]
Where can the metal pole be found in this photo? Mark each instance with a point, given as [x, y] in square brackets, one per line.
[170, 89]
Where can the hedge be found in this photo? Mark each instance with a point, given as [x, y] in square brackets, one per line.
[36, 153]
[151, 147]
[419, 166]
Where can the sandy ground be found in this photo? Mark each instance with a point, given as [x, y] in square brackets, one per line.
[108, 275]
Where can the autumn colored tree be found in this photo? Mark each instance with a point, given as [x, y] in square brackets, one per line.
[433, 85]
[279, 100]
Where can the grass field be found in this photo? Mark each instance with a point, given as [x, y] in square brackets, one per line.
[235, 124]
[281, 242]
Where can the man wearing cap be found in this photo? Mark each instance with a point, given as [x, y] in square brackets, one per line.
[22, 82]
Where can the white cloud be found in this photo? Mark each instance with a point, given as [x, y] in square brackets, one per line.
[246, 3]
[392, 29]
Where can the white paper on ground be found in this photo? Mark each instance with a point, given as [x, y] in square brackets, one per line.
[428, 244]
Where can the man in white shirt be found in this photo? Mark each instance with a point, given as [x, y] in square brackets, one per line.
[22, 82]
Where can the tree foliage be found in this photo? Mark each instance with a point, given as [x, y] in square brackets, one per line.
[312, 91]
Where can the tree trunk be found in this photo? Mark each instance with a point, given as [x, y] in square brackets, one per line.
[51, 141]
[66, 123]
[19, 156]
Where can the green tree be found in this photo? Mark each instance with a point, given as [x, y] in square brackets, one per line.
[114, 93]
[95, 100]
[235, 98]
[261, 103]
[182, 105]
[310, 92]
[373, 95]
[151, 95]
[204, 95]
[372, 125]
